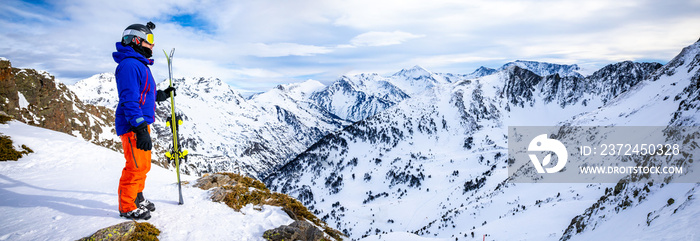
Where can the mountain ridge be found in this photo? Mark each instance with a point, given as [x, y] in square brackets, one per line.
[426, 157]
[350, 98]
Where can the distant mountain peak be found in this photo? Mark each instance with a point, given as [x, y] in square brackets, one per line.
[485, 69]
[302, 89]
[200, 80]
[544, 68]
[540, 68]
[480, 72]
[415, 72]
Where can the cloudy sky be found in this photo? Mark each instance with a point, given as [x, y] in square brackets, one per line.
[255, 45]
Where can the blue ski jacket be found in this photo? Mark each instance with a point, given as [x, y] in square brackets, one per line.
[137, 89]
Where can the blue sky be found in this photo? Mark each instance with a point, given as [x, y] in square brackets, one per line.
[255, 45]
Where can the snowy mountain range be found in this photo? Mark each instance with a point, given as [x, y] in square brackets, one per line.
[544, 69]
[539, 68]
[267, 130]
[358, 97]
[435, 164]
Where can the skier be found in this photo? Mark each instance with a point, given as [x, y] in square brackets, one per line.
[136, 109]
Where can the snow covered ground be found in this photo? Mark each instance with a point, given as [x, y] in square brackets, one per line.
[400, 236]
[67, 189]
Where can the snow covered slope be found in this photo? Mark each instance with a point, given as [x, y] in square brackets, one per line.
[99, 89]
[67, 190]
[446, 148]
[667, 97]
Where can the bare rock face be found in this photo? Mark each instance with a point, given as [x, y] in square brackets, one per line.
[298, 230]
[214, 180]
[215, 183]
[36, 98]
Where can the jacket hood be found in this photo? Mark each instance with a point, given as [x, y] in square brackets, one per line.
[124, 52]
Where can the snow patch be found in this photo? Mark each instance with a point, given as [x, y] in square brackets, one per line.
[23, 103]
[400, 236]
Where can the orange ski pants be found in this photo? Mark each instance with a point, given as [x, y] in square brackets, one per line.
[133, 180]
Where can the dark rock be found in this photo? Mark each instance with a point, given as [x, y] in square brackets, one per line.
[52, 105]
[298, 230]
[214, 180]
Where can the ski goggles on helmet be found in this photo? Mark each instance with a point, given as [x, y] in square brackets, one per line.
[148, 37]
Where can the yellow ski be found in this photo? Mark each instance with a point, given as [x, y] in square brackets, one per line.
[174, 123]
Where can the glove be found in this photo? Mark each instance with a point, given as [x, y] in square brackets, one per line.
[162, 95]
[143, 138]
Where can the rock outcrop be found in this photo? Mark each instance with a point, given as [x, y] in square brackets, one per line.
[36, 98]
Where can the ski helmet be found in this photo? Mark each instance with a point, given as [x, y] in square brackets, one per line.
[136, 33]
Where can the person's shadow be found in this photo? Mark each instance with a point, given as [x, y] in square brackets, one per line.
[67, 205]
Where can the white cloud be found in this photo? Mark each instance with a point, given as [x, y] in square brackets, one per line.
[449, 59]
[266, 42]
[285, 49]
[382, 38]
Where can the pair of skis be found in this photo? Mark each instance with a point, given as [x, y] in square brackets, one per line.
[174, 124]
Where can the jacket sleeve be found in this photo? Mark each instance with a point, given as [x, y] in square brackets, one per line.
[129, 88]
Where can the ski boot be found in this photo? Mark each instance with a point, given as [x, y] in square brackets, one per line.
[138, 213]
[143, 203]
